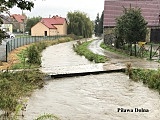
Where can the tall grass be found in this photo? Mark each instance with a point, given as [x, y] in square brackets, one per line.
[82, 49]
[15, 85]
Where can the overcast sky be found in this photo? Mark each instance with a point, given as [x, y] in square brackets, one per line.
[44, 8]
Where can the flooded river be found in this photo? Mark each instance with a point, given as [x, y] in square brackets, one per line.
[92, 97]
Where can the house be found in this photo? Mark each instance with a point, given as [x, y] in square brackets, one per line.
[18, 22]
[50, 27]
[150, 10]
[7, 24]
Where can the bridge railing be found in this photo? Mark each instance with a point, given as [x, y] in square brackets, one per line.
[10, 44]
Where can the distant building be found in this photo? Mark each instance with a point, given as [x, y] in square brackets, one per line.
[50, 27]
[18, 22]
[150, 11]
[7, 23]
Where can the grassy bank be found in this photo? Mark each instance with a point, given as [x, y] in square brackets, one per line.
[82, 49]
[16, 85]
[112, 49]
[151, 78]
[31, 56]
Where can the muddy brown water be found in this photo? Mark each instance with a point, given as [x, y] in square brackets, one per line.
[92, 97]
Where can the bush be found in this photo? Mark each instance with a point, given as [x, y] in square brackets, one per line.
[33, 55]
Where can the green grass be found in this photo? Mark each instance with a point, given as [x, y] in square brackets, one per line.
[21, 35]
[112, 49]
[83, 50]
[151, 78]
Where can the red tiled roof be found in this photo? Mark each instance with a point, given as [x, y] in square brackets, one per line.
[55, 20]
[19, 18]
[150, 10]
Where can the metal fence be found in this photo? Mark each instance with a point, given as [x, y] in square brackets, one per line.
[10, 44]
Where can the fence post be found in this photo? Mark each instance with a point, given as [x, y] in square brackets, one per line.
[135, 53]
[14, 44]
[17, 42]
[20, 42]
[151, 53]
[11, 46]
[6, 51]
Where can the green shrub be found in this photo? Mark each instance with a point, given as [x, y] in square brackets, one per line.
[33, 55]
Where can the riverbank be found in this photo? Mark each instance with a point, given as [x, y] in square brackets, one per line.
[15, 86]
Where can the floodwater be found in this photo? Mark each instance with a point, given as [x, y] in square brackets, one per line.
[92, 97]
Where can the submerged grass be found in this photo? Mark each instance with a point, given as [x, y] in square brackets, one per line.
[82, 49]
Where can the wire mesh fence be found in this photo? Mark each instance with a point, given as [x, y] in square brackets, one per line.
[10, 44]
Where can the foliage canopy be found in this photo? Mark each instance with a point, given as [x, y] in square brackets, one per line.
[131, 27]
[98, 29]
[79, 24]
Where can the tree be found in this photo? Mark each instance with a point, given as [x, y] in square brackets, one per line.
[100, 26]
[131, 26]
[31, 22]
[96, 27]
[7, 4]
[79, 24]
